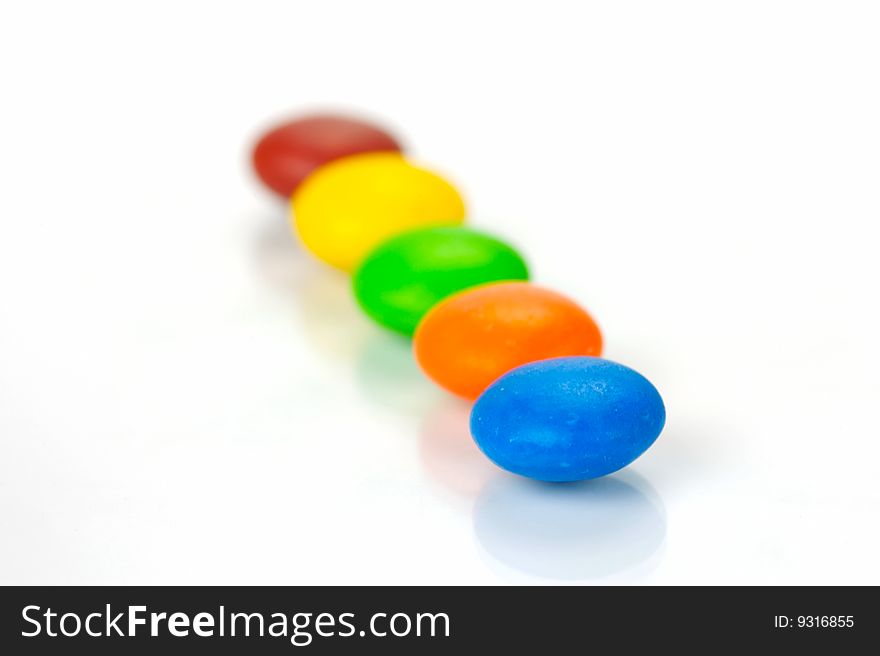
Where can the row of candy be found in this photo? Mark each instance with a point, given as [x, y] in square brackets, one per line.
[547, 406]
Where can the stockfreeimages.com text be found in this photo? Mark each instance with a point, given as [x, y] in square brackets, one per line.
[300, 628]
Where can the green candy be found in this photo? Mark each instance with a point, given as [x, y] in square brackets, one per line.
[407, 275]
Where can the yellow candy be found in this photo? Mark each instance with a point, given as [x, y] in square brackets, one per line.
[348, 207]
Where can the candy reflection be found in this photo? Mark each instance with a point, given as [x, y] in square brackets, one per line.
[319, 297]
[449, 455]
[574, 531]
[387, 374]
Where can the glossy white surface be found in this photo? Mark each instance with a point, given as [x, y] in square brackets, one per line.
[186, 397]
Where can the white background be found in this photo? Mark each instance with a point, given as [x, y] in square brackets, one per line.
[187, 397]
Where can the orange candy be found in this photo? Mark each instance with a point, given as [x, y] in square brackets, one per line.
[470, 339]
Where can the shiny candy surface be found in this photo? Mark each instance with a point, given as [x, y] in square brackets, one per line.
[470, 339]
[285, 155]
[407, 275]
[348, 207]
[567, 419]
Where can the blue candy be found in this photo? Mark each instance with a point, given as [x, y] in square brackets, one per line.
[567, 419]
